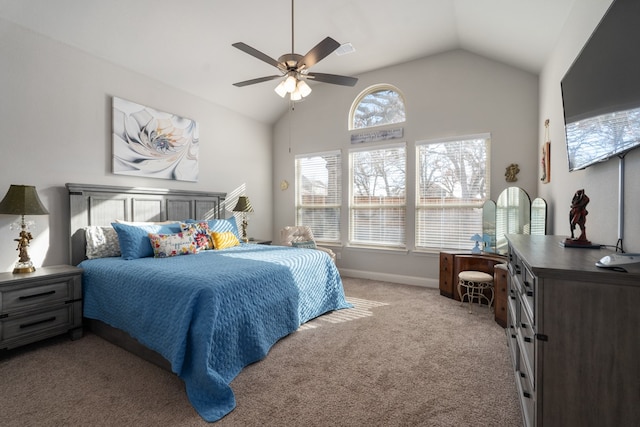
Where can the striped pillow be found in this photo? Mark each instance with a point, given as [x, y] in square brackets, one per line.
[223, 240]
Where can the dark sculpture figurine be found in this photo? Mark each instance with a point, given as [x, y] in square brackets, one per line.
[578, 217]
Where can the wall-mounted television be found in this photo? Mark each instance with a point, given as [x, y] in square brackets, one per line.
[601, 90]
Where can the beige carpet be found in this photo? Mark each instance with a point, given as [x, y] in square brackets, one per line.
[404, 356]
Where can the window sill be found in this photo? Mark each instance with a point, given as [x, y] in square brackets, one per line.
[378, 249]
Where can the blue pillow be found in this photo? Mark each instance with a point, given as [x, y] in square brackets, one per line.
[134, 239]
[221, 225]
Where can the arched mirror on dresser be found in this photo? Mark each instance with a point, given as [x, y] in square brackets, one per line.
[513, 213]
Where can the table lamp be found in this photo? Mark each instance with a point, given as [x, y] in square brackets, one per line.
[23, 200]
[244, 206]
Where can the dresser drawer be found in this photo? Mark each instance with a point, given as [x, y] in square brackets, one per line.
[527, 397]
[19, 298]
[527, 339]
[48, 322]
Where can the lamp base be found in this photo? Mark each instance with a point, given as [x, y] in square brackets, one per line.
[24, 267]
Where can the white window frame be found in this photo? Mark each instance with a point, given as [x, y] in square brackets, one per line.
[368, 91]
[453, 229]
[355, 207]
[325, 229]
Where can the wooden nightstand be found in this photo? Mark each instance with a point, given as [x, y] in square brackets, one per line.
[39, 305]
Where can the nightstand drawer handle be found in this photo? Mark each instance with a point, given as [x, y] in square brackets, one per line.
[43, 294]
[38, 322]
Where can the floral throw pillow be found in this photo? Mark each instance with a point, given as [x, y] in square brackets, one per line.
[201, 234]
[102, 242]
[168, 245]
[224, 240]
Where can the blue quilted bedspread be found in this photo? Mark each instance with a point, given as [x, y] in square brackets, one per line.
[213, 313]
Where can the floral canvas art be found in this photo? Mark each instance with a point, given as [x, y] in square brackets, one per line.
[153, 144]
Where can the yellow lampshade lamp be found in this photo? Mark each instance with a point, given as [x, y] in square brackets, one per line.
[23, 200]
[244, 206]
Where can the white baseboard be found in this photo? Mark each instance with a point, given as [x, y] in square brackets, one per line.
[392, 278]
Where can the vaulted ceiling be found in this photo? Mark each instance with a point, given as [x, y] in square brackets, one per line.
[187, 43]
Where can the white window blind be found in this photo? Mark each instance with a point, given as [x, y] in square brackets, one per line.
[452, 182]
[319, 194]
[378, 202]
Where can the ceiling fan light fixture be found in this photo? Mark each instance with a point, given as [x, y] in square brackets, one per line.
[290, 83]
[280, 90]
[294, 68]
[296, 95]
[303, 88]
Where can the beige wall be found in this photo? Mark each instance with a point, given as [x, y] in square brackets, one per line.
[55, 113]
[451, 94]
[55, 122]
[600, 181]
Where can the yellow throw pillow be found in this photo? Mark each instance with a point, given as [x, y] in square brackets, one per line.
[224, 240]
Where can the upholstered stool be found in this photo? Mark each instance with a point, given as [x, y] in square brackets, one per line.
[474, 284]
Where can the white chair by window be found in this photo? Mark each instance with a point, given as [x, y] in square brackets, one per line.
[302, 236]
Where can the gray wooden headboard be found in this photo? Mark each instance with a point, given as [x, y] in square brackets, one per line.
[102, 204]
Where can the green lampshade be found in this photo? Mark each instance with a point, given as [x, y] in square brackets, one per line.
[243, 205]
[22, 200]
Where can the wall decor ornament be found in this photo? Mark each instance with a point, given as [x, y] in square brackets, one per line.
[153, 144]
[511, 172]
[545, 163]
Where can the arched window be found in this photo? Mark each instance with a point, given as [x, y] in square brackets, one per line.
[377, 106]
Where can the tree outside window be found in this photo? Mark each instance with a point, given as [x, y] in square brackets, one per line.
[452, 185]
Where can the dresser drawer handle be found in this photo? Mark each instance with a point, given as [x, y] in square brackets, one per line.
[526, 394]
[38, 322]
[43, 294]
[527, 339]
[529, 293]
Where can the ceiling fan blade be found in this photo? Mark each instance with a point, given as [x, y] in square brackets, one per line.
[319, 52]
[257, 54]
[254, 81]
[333, 79]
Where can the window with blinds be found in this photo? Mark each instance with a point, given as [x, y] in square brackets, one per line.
[319, 194]
[377, 105]
[452, 184]
[377, 200]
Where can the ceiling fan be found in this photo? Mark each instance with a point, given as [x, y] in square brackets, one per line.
[295, 68]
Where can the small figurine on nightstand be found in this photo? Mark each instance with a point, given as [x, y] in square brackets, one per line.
[23, 243]
[578, 217]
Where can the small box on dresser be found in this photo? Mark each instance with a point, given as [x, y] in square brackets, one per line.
[39, 305]
[573, 335]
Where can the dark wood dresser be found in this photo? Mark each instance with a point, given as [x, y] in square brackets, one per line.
[573, 335]
[453, 262]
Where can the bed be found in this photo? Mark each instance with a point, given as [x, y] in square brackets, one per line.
[203, 315]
